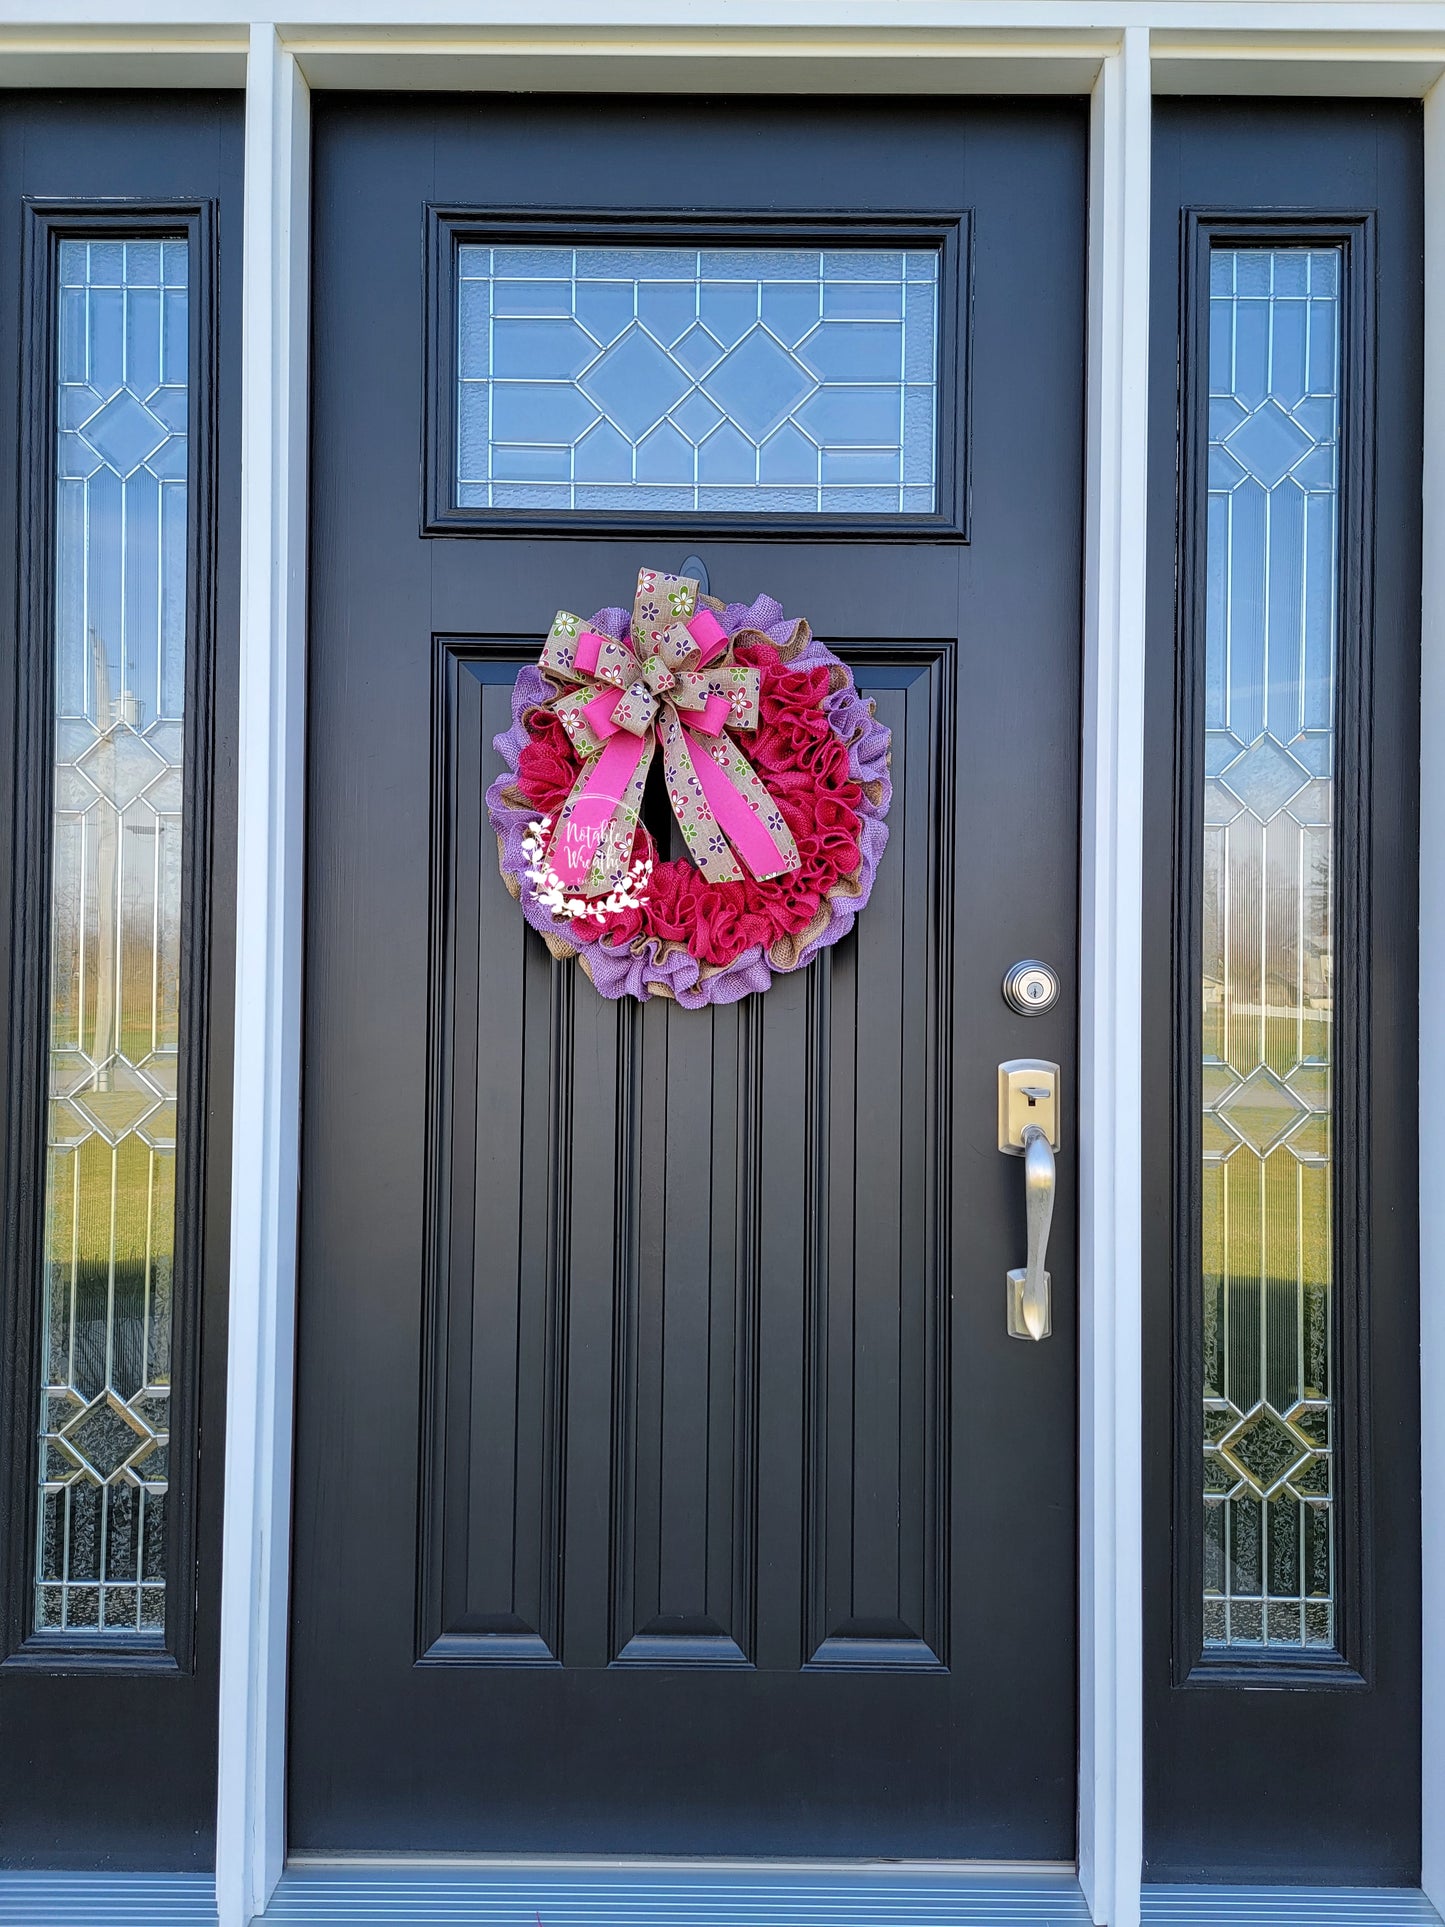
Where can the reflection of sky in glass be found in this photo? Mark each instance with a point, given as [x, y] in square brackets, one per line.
[762, 380]
[120, 645]
[1268, 953]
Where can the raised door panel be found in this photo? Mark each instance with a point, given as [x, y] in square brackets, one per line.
[877, 1386]
[750, 1164]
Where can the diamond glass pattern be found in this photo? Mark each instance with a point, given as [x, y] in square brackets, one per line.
[635, 383]
[121, 765]
[1271, 596]
[759, 385]
[1261, 1110]
[1264, 1450]
[756, 380]
[1265, 778]
[104, 1438]
[124, 432]
[1268, 443]
[120, 653]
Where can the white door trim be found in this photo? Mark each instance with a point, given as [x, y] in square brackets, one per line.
[1111, 1662]
[256, 1565]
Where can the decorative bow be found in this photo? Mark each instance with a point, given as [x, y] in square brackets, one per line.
[676, 686]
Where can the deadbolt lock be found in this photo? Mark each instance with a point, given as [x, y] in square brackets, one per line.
[1031, 987]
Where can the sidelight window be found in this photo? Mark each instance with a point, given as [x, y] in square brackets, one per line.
[1268, 912]
[114, 1007]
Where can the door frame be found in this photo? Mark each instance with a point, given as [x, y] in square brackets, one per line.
[1127, 49]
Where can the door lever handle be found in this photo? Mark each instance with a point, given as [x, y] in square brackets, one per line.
[1028, 1110]
[1029, 1311]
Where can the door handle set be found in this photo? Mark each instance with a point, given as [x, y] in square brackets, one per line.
[1028, 1128]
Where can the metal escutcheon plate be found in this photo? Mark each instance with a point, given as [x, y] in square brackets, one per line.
[1031, 987]
[1018, 1324]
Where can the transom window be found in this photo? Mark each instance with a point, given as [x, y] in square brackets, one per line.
[766, 381]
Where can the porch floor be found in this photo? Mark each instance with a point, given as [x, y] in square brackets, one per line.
[623, 1894]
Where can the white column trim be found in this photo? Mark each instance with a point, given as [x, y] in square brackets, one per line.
[1432, 1019]
[255, 1567]
[1110, 969]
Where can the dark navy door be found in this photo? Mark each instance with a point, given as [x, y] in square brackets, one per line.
[667, 1479]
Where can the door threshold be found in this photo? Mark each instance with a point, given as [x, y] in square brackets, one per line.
[1220, 1906]
[656, 1891]
[672, 1892]
[107, 1899]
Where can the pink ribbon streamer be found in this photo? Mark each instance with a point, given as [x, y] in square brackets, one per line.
[646, 676]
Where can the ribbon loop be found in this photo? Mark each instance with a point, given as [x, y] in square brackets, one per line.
[672, 687]
[636, 710]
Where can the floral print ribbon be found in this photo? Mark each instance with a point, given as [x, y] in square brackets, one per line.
[674, 687]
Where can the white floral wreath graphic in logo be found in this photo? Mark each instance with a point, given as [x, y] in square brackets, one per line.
[552, 894]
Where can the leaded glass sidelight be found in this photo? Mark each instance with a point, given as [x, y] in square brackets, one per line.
[120, 566]
[1271, 609]
[737, 379]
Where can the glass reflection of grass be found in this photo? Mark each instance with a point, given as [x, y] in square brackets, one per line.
[111, 1239]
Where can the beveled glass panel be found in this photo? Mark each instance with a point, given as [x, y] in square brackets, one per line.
[122, 405]
[753, 380]
[1272, 588]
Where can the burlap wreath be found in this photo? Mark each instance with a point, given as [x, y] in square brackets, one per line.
[814, 746]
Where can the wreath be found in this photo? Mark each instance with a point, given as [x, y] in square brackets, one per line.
[776, 770]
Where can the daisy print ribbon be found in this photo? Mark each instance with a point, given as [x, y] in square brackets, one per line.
[672, 686]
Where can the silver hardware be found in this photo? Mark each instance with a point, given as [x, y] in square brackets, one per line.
[1028, 1127]
[1028, 1090]
[1031, 987]
[695, 569]
[1030, 1314]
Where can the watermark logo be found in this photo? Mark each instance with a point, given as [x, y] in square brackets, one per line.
[552, 894]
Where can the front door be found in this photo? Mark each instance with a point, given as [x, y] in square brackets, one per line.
[667, 1479]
